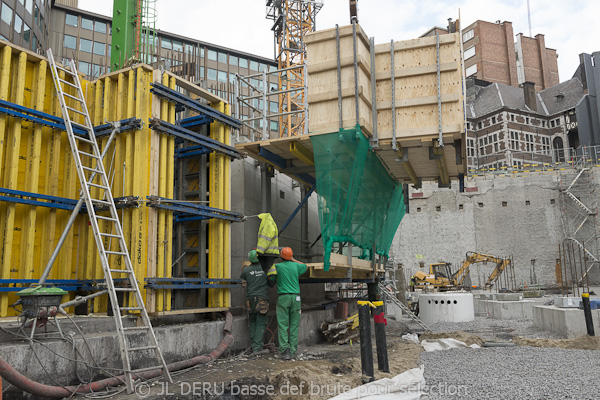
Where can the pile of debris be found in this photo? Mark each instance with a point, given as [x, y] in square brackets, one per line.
[341, 331]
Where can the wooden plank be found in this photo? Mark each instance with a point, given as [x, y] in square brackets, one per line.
[419, 101]
[195, 89]
[415, 44]
[416, 71]
[189, 311]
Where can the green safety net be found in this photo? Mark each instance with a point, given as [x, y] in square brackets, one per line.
[359, 203]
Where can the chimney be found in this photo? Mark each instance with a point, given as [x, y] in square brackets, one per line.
[529, 95]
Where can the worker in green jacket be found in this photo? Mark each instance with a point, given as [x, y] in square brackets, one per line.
[257, 302]
[287, 275]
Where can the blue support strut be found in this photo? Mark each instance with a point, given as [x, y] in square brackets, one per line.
[291, 217]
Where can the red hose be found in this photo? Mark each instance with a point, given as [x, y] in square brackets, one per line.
[27, 385]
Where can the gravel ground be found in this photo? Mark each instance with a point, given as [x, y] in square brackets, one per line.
[512, 373]
[493, 329]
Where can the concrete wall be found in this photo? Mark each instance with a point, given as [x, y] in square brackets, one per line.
[246, 199]
[444, 224]
[569, 322]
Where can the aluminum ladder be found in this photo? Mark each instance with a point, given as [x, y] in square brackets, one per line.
[390, 294]
[106, 227]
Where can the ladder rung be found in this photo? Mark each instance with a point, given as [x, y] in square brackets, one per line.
[121, 253]
[119, 271]
[68, 71]
[68, 83]
[98, 186]
[91, 169]
[74, 110]
[77, 124]
[137, 371]
[141, 348]
[97, 201]
[131, 308]
[88, 154]
[83, 139]
[73, 97]
[136, 328]
[124, 289]
[109, 235]
[106, 218]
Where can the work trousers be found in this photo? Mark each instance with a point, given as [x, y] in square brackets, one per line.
[288, 317]
[258, 323]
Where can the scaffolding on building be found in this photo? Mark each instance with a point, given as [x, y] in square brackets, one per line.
[579, 206]
[293, 19]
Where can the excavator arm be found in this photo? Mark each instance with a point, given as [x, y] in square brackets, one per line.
[473, 258]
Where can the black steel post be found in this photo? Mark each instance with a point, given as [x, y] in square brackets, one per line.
[366, 346]
[587, 311]
[380, 338]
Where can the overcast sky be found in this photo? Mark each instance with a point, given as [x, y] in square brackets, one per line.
[570, 26]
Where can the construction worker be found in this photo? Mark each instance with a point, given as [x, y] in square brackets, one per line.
[257, 302]
[287, 275]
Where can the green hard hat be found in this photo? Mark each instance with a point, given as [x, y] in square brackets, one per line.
[252, 256]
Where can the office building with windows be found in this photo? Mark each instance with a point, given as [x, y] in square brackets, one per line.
[25, 23]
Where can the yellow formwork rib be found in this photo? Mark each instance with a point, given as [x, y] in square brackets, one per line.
[10, 171]
[170, 194]
[227, 206]
[32, 176]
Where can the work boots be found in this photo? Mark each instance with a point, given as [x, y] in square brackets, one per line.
[286, 355]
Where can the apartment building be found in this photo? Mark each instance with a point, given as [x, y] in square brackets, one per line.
[491, 54]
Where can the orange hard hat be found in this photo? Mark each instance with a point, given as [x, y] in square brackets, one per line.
[286, 253]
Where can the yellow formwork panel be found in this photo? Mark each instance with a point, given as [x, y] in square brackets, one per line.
[140, 163]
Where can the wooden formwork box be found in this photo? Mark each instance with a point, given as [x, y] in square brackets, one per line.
[37, 159]
[412, 152]
[322, 80]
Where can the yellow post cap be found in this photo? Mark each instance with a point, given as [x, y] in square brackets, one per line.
[378, 303]
[585, 295]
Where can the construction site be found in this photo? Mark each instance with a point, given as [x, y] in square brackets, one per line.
[356, 217]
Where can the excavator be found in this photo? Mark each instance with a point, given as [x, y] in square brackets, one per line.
[441, 277]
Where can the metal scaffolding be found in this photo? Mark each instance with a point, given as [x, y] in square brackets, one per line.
[579, 205]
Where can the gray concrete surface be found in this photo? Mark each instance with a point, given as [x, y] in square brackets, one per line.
[501, 216]
[568, 322]
[521, 309]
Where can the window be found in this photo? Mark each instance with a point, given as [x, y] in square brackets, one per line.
[201, 52]
[87, 24]
[543, 124]
[223, 58]
[493, 120]
[243, 63]
[231, 77]
[29, 6]
[33, 42]
[527, 120]
[18, 24]
[84, 67]
[189, 48]
[273, 107]
[274, 126]
[468, 35]
[222, 76]
[212, 55]
[263, 67]
[100, 27]
[233, 60]
[165, 43]
[36, 15]
[470, 52]
[201, 72]
[211, 74]
[472, 70]
[99, 48]
[85, 45]
[512, 117]
[177, 45]
[253, 65]
[479, 124]
[552, 124]
[7, 14]
[97, 70]
[26, 33]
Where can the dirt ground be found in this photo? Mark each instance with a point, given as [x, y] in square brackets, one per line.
[581, 343]
[465, 337]
[324, 371]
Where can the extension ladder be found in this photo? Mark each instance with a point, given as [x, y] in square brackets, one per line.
[392, 296]
[106, 227]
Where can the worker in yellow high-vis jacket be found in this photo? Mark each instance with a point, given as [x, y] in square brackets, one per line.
[287, 275]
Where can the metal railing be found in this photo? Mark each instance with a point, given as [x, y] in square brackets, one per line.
[508, 162]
